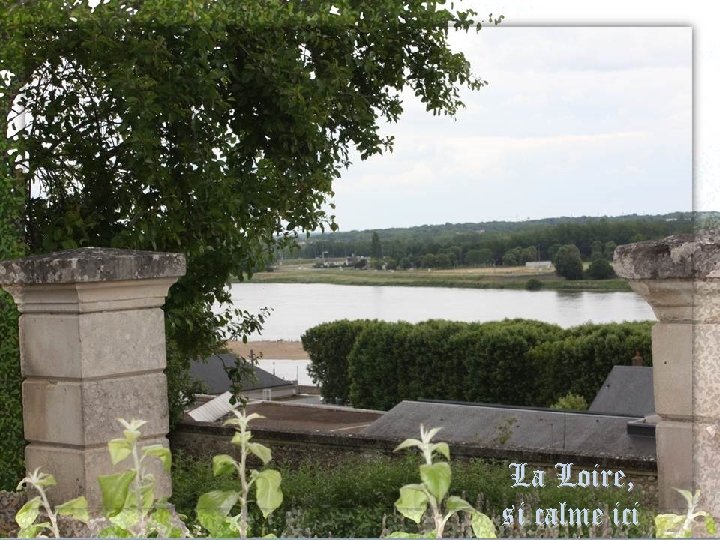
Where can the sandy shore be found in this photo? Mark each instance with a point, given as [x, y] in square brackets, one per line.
[271, 350]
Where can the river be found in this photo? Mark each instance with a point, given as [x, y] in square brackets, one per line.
[298, 306]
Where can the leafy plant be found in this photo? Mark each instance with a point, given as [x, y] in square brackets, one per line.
[682, 526]
[27, 515]
[572, 402]
[129, 497]
[433, 492]
[213, 508]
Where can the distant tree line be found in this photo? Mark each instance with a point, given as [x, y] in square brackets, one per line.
[496, 243]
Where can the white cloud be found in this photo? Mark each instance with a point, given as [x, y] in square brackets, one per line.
[593, 126]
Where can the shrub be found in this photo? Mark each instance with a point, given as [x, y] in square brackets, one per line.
[571, 402]
[533, 284]
[514, 362]
[600, 269]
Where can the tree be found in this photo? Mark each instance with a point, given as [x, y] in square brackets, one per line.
[568, 263]
[375, 246]
[215, 129]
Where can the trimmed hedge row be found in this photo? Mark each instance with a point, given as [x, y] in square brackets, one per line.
[377, 364]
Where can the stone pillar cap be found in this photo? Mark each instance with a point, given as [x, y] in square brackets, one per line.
[686, 256]
[91, 264]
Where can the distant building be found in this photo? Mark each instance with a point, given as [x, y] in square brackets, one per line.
[266, 386]
[544, 265]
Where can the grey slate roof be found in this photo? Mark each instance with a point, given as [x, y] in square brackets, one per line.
[538, 430]
[627, 390]
[211, 373]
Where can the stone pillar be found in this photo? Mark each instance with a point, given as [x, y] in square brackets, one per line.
[92, 349]
[679, 277]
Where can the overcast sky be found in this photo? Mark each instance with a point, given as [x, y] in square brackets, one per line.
[574, 121]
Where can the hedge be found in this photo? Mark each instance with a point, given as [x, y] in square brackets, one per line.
[12, 442]
[377, 364]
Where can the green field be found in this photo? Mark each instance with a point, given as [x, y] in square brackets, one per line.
[301, 271]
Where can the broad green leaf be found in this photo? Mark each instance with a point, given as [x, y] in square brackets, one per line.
[76, 508]
[413, 502]
[114, 488]
[115, 531]
[436, 478]
[261, 451]
[223, 464]
[665, 525]
[408, 443]
[147, 493]
[456, 504]
[401, 534]
[119, 450]
[29, 512]
[128, 517]
[212, 509]
[160, 452]
[710, 525]
[482, 526]
[442, 448]
[268, 495]
[241, 438]
[270, 536]
[33, 531]
[161, 517]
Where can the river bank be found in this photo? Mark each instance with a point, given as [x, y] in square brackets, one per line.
[468, 278]
[270, 349]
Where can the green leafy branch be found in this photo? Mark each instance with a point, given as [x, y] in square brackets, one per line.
[433, 491]
[213, 508]
[27, 516]
[681, 526]
[129, 497]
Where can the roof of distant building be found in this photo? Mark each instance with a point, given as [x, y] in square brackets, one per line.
[626, 390]
[211, 372]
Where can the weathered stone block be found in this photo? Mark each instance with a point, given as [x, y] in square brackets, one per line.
[92, 344]
[706, 371]
[85, 413]
[674, 442]
[672, 348]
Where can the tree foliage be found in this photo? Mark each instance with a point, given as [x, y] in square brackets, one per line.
[215, 129]
[568, 263]
[506, 242]
[600, 268]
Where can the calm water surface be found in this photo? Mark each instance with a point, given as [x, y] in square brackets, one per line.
[299, 306]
